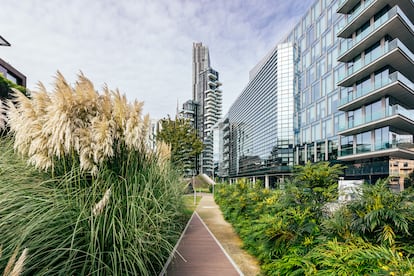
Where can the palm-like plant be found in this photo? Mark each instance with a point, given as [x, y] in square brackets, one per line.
[382, 215]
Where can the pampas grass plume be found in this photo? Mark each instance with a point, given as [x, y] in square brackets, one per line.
[98, 208]
[18, 267]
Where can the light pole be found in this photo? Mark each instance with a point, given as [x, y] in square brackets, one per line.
[194, 189]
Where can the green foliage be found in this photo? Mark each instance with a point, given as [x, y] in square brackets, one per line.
[6, 86]
[292, 232]
[381, 215]
[409, 181]
[185, 144]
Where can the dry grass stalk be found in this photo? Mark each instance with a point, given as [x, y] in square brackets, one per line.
[76, 120]
[163, 153]
[18, 267]
[98, 208]
[10, 263]
[3, 117]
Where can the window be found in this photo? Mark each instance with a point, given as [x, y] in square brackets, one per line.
[347, 143]
[363, 142]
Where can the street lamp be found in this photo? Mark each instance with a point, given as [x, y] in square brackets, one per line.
[194, 189]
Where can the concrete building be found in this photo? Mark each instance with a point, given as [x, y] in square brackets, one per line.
[352, 87]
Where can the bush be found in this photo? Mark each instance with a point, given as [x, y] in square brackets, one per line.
[290, 232]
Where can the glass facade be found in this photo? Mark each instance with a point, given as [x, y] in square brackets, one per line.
[352, 93]
[376, 50]
[260, 122]
[316, 113]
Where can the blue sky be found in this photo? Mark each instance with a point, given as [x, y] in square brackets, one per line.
[143, 47]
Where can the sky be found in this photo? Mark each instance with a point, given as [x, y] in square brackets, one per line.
[144, 47]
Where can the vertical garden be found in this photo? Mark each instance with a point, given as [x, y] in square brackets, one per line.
[81, 191]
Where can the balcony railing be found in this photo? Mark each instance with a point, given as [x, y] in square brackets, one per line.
[381, 114]
[362, 91]
[357, 12]
[374, 55]
[349, 43]
[406, 144]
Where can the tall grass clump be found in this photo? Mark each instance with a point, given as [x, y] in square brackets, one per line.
[111, 205]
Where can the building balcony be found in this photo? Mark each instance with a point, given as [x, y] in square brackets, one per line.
[395, 149]
[226, 134]
[367, 10]
[212, 84]
[210, 97]
[396, 85]
[393, 53]
[212, 76]
[210, 104]
[396, 116]
[345, 6]
[362, 14]
[394, 23]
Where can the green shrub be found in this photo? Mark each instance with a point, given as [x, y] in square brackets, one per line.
[291, 232]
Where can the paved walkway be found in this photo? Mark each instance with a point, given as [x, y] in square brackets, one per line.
[211, 214]
[198, 252]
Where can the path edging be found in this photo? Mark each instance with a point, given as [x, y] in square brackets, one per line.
[219, 244]
[164, 269]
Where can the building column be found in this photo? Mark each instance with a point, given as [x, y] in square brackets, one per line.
[254, 179]
[266, 181]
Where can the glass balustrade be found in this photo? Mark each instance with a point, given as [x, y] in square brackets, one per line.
[375, 54]
[347, 44]
[380, 114]
[351, 95]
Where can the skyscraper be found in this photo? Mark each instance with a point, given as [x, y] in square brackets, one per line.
[204, 110]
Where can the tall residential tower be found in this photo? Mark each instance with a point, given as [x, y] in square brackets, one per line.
[204, 110]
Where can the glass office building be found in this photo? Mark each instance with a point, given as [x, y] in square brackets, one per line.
[352, 91]
[257, 131]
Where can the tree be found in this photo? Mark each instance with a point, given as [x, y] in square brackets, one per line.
[184, 142]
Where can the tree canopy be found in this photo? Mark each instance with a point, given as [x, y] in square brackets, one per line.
[184, 141]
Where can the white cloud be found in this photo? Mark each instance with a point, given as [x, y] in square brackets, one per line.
[143, 47]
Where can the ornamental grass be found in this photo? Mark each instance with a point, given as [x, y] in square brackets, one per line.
[100, 201]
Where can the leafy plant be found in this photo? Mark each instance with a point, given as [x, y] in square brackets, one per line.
[291, 233]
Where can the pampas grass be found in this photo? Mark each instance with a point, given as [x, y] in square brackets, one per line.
[98, 208]
[3, 117]
[111, 206]
[75, 125]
